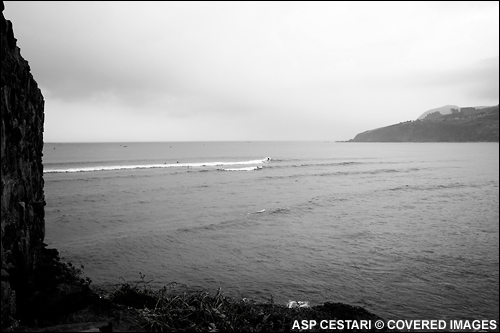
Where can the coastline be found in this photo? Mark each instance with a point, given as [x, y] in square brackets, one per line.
[64, 301]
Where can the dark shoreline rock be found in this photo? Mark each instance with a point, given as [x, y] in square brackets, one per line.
[62, 300]
[22, 196]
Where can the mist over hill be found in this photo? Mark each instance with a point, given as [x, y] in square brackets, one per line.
[447, 109]
[443, 110]
[445, 124]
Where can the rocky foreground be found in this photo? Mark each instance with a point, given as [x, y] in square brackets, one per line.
[63, 301]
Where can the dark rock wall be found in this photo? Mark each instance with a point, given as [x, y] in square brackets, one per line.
[22, 201]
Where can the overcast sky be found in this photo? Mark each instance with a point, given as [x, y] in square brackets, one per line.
[181, 71]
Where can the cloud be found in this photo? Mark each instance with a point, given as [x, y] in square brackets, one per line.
[477, 81]
[483, 79]
[328, 66]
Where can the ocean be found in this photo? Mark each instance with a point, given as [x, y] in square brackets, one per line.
[405, 230]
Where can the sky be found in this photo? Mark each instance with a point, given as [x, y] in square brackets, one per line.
[220, 71]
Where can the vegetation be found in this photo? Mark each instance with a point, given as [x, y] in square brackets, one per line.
[137, 307]
[202, 311]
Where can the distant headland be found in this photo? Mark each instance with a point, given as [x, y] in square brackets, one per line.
[446, 124]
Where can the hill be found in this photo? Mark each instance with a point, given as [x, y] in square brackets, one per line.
[466, 125]
[443, 110]
[447, 109]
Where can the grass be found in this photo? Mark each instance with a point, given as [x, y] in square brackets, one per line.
[164, 310]
[137, 307]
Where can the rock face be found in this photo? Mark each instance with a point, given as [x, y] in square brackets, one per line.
[22, 201]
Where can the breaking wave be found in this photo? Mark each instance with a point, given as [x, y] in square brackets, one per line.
[252, 168]
[165, 165]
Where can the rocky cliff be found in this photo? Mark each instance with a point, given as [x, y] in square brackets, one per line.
[22, 202]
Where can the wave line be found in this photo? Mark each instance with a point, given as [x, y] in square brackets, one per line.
[156, 166]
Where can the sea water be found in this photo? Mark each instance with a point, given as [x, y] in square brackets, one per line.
[406, 230]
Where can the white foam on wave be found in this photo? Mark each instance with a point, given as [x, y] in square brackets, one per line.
[165, 165]
[243, 169]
